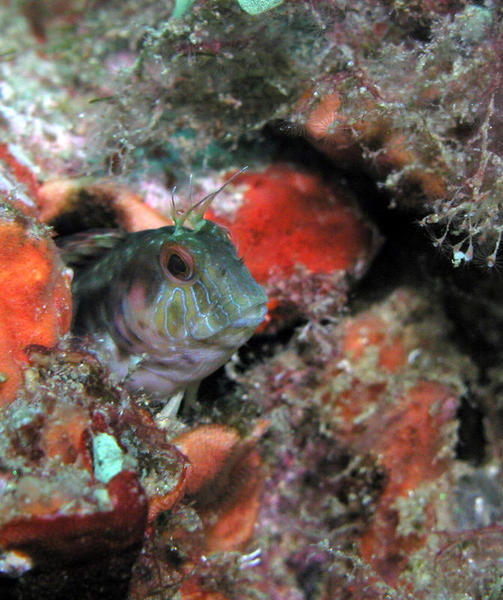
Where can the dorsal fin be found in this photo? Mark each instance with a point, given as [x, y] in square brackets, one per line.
[80, 249]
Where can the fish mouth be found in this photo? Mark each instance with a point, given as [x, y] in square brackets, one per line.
[241, 329]
[235, 332]
[251, 318]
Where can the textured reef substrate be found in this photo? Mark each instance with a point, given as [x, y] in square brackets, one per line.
[352, 448]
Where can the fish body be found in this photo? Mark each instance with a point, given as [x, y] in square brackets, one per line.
[177, 298]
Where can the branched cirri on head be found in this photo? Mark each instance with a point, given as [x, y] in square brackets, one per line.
[178, 297]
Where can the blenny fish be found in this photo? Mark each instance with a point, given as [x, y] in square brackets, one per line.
[177, 300]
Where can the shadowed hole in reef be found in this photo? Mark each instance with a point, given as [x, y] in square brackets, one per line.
[471, 445]
[407, 255]
[215, 390]
[97, 578]
[90, 211]
[309, 579]
[262, 346]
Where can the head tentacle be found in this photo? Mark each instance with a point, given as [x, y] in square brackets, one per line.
[194, 215]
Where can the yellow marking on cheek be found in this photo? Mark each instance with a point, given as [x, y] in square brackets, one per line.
[170, 316]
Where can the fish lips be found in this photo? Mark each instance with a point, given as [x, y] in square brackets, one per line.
[239, 330]
[251, 318]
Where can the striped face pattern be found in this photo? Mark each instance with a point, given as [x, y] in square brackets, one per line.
[178, 300]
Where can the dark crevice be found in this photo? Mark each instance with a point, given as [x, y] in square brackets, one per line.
[471, 445]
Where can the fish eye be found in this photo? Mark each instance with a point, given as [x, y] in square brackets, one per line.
[177, 264]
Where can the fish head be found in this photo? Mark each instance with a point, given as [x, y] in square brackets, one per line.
[193, 291]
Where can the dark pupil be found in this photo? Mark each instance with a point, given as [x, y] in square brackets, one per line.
[176, 266]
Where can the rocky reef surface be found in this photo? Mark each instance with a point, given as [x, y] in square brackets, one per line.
[352, 448]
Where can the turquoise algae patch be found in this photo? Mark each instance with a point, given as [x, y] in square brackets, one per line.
[256, 7]
[108, 458]
[252, 7]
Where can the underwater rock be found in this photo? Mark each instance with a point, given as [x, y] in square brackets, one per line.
[195, 547]
[405, 91]
[470, 563]
[362, 435]
[66, 500]
[192, 591]
[414, 444]
[355, 490]
[72, 205]
[392, 370]
[412, 98]
[90, 479]
[35, 308]
[224, 482]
